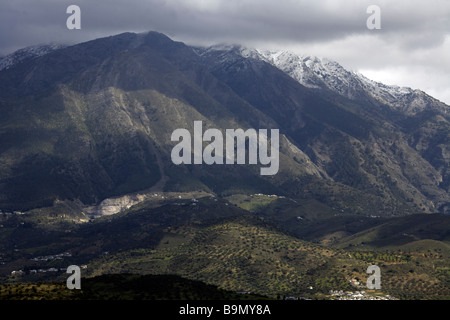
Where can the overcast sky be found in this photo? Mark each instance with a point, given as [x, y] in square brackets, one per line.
[412, 48]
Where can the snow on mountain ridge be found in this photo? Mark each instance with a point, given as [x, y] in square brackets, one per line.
[27, 53]
[319, 73]
[310, 71]
[322, 73]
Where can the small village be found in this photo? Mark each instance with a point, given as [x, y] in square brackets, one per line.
[54, 257]
[357, 295]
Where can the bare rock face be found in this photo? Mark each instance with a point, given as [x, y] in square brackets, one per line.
[112, 206]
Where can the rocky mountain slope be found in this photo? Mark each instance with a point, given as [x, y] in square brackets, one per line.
[361, 133]
[27, 53]
[94, 120]
[314, 72]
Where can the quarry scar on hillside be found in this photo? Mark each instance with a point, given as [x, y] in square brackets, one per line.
[213, 152]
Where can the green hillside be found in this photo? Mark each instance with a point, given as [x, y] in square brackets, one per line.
[214, 241]
[239, 254]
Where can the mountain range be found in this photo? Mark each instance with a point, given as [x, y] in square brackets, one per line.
[92, 121]
[86, 175]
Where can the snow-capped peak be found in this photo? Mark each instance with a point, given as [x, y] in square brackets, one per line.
[319, 73]
[314, 72]
[324, 74]
[308, 70]
[234, 48]
[27, 53]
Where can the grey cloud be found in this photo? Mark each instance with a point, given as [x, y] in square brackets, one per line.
[413, 31]
[218, 21]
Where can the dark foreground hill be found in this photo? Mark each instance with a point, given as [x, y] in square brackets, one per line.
[123, 287]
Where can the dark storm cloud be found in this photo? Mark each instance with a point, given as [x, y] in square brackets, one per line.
[25, 22]
[413, 32]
